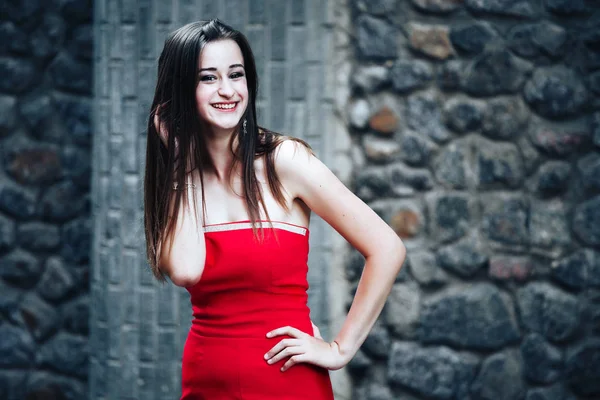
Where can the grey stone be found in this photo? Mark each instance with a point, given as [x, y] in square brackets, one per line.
[537, 40]
[549, 311]
[376, 391]
[372, 182]
[554, 392]
[438, 6]
[498, 165]
[17, 202]
[359, 113]
[7, 233]
[433, 372]
[495, 372]
[377, 7]
[463, 115]
[450, 75]
[401, 311]
[56, 282]
[359, 363]
[450, 166]
[472, 38]
[380, 150]
[66, 353]
[578, 270]
[494, 72]
[423, 115]
[586, 221]
[415, 150]
[61, 202]
[48, 37]
[70, 74]
[40, 318]
[589, 168]
[542, 362]
[505, 221]
[566, 7]
[595, 125]
[505, 118]
[43, 385]
[12, 384]
[14, 38]
[81, 43]
[76, 10]
[556, 92]
[10, 298]
[402, 176]
[552, 178]
[36, 111]
[21, 11]
[450, 216]
[8, 116]
[583, 368]
[378, 342]
[370, 78]
[594, 82]
[18, 75]
[475, 317]
[20, 268]
[376, 38]
[38, 236]
[76, 316]
[512, 8]
[408, 75]
[16, 347]
[464, 258]
[592, 314]
[548, 228]
[76, 238]
[76, 164]
[424, 268]
[76, 113]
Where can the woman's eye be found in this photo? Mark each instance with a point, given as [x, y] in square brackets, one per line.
[207, 78]
[236, 75]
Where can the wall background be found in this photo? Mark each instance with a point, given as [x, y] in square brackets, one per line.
[476, 127]
[45, 227]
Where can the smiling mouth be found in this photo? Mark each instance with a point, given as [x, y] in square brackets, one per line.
[225, 106]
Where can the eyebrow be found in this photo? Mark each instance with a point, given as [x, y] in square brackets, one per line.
[214, 69]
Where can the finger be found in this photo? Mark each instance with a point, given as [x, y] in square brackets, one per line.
[297, 359]
[280, 346]
[286, 330]
[287, 352]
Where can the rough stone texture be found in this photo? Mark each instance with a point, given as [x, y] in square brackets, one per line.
[358, 113]
[495, 372]
[583, 368]
[376, 38]
[556, 92]
[384, 121]
[499, 138]
[476, 317]
[546, 310]
[401, 311]
[435, 373]
[543, 362]
[45, 140]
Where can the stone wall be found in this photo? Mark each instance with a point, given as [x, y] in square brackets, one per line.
[476, 134]
[45, 141]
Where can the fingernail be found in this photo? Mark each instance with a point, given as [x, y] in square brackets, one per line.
[266, 356]
[269, 334]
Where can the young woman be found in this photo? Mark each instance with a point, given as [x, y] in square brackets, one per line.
[227, 206]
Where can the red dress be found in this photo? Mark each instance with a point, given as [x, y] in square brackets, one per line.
[249, 286]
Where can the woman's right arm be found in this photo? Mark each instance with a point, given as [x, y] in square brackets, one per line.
[183, 254]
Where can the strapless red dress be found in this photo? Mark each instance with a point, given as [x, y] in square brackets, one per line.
[249, 286]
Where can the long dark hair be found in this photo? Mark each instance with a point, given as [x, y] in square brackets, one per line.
[175, 101]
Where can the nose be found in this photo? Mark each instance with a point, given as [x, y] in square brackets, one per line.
[225, 89]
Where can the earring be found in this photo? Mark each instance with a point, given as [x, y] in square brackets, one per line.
[245, 132]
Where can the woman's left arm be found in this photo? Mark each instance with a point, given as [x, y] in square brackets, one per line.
[305, 177]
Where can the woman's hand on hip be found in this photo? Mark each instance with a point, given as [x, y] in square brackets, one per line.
[304, 348]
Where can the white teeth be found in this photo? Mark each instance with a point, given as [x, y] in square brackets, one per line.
[224, 106]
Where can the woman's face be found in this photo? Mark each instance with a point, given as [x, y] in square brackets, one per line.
[222, 91]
